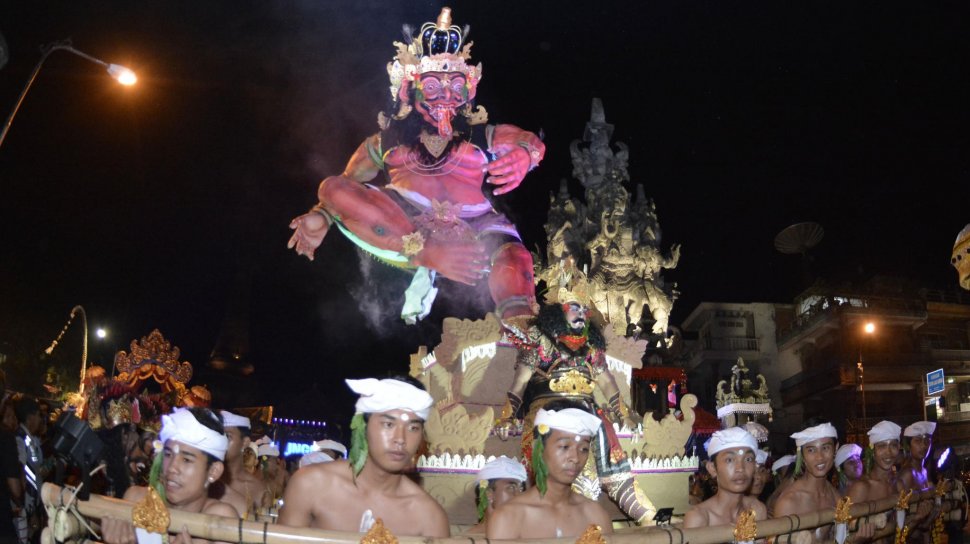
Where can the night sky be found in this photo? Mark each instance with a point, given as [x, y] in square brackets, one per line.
[166, 205]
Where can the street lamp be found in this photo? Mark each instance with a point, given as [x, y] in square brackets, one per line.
[118, 72]
[869, 328]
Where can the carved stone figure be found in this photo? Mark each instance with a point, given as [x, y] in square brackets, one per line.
[611, 242]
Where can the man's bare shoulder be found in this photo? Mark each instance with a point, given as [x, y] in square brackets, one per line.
[421, 500]
[323, 475]
[135, 493]
[793, 500]
[698, 516]
[751, 503]
[858, 491]
[220, 508]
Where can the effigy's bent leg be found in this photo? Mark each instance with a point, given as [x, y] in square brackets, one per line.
[367, 212]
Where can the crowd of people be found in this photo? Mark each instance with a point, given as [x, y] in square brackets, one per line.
[816, 475]
[208, 461]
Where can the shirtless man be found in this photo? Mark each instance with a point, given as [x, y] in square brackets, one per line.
[244, 490]
[273, 471]
[500, 480]
[880, 479]
[561, 443]
[810, 490]
[372, 483]
[848, 462]
[194, 448]
[913, 475]
[781, 469]
[762, 475]
[732, 462]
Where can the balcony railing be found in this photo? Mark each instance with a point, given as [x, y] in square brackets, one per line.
[835, 304]
[731, 343]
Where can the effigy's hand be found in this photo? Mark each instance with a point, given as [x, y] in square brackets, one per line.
[509, 170]
[310, 228]
[463, 261]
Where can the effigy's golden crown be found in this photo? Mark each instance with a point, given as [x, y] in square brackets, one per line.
[438, 47]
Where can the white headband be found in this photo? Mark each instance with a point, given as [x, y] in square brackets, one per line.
[386, 395]
[230, 419]
[761, 457]
[320, 445]
[782, 462]
[883, 431]
[265, 446]
[570, 420]
[502, 467]
[818, 432]
[732, 438]
[920, 428]
[846, 451]
[314, 457]
[182, 426]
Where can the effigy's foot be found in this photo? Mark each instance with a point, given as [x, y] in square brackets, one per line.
[631, 499]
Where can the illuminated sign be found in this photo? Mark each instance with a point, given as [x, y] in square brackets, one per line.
[935, 382]
[297, 448]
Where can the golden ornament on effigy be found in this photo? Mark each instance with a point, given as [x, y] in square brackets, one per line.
[842, 514]
[902, 535]
[903, 502]
[592, 535]
[151, 514]
[746, 529]
[434, 143]
[573, 382]
[378, 534]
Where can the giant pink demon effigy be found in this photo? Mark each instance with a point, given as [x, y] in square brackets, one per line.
[411, 194]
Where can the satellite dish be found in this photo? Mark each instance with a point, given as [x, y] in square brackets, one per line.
[799, 238]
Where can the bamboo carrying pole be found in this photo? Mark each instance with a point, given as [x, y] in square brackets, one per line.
[248, 532]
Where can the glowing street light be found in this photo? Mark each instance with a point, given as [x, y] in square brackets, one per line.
[120, 73]
[101, 333]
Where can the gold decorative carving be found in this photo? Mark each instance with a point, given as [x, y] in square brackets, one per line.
[592, 535]
[572, 383]
[478, 116]
[842, 507]
[378, 534]
[453, 429]
[154, 357]
[746, 528]
[458, 334]
[150, 514]
[666, 438]
[903, 502]
[629, 350]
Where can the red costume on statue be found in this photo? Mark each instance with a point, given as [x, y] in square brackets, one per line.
[430, 214]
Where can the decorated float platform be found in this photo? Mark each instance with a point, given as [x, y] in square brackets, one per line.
[468, 374]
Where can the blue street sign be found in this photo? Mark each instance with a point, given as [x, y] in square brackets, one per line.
[934, 382]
